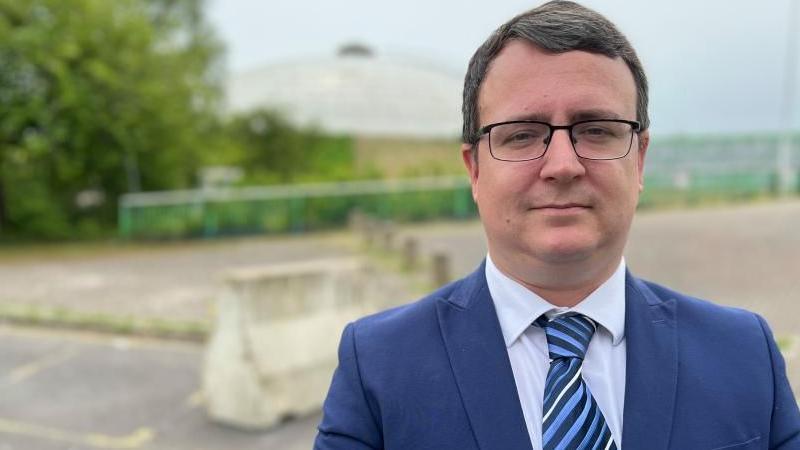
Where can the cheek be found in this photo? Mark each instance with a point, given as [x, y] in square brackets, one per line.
[501, 194]
[620, 180]
[617, 191]
[509, 177]
[505, 187]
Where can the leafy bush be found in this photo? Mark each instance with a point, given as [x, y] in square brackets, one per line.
[102, 96]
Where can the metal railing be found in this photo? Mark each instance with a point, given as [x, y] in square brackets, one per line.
[292, 208]
[682, 172]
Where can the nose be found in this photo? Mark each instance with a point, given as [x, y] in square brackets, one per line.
[560, 163]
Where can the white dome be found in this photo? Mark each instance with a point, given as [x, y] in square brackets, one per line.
[357, 94]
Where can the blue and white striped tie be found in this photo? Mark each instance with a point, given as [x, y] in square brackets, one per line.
[571, 418]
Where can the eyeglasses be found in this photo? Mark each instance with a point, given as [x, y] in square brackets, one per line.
[525, 140]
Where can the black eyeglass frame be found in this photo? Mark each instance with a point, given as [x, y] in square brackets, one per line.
[635, 129]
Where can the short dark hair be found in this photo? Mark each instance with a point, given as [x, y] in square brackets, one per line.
[557, 26]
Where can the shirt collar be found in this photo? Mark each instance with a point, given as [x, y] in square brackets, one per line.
[517, 306]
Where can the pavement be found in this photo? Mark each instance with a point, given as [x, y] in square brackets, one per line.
[85, 391]
[176, 280]
[66, 389]
[62, 389]
[746, 256]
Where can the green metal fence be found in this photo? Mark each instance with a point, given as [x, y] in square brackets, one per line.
[297, 208]
[689, 187]
[309, 207]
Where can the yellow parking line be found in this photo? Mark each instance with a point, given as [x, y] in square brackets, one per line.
[30, 369]
[197, 398]
[137, 439]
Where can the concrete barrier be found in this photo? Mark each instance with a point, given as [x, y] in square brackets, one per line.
[273, 348]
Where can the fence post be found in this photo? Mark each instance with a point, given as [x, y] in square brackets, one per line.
[441, 268]
[210, 224]
[297, 214]
[369, 231]
[387, 234]
[356, 220]
[125, 221]
[410, 253]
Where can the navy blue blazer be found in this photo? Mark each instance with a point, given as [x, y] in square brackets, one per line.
[435, 374]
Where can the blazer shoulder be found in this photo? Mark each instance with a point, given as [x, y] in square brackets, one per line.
[703, 312]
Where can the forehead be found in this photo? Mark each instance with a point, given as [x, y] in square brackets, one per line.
[524, 81]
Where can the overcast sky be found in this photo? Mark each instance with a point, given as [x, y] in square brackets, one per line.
[713, 65]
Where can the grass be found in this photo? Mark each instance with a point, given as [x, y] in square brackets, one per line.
[22, 252]
[60, 317]
[785, 343]
[402, 157]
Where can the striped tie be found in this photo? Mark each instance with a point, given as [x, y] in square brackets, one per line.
[571, 418]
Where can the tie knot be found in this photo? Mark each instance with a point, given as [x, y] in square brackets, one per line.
[567, 336]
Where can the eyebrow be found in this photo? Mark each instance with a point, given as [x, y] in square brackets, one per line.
[586, 114]
[590, 114]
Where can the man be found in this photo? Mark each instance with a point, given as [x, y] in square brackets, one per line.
[552, 343]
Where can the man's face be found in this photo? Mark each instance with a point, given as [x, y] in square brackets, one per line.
[521, 203]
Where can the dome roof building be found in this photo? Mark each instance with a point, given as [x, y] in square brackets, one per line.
[356, 93]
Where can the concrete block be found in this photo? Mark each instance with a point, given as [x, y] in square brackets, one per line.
[273, 349]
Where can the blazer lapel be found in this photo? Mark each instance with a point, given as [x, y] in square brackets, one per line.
[651, 368]
[481, 367]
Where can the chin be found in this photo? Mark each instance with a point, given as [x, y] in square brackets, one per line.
[564, 250]
[563, 256]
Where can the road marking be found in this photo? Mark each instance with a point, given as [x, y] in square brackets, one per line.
[197, 398]
[134, 440]
[137, 439]
[30, 369]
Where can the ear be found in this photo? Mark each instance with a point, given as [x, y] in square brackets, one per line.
[644, 143]
[471, 164]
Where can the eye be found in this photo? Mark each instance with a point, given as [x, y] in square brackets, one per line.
[596, 130]
[518, 135]
[522, 136]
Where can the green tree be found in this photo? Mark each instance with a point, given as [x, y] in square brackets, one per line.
[275, 151]
[99, 96]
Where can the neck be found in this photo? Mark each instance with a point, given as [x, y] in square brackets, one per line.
[563, 285]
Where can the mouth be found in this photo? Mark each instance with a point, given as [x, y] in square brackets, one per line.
[563, 206]
[562, 210]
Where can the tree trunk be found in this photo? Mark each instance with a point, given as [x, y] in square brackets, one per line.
[2, 205]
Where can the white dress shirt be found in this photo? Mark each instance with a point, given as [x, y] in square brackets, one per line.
[604, 363]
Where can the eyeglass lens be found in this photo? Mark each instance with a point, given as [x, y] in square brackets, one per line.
[519, 141]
